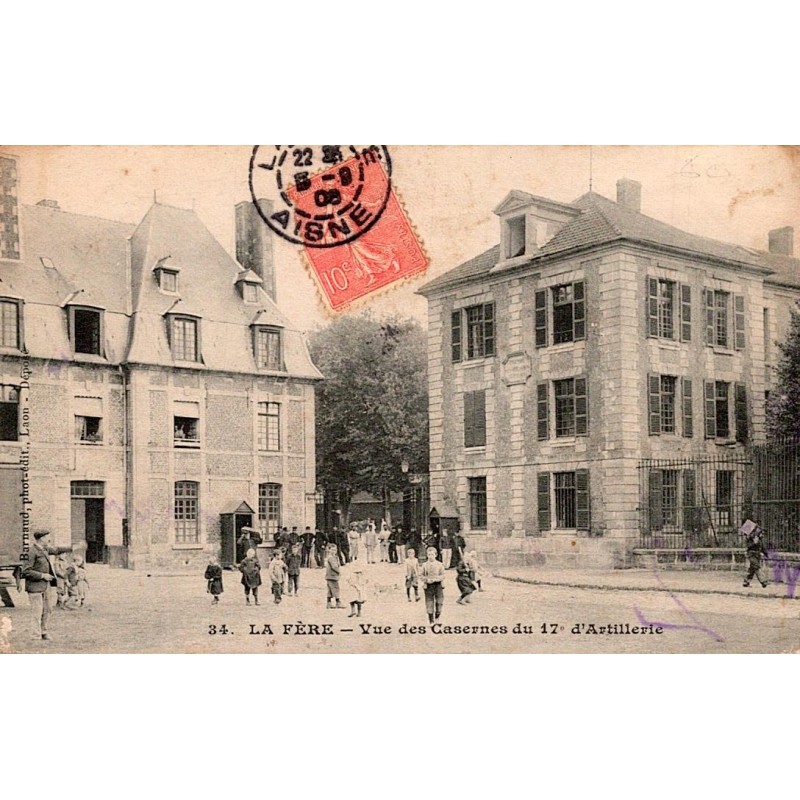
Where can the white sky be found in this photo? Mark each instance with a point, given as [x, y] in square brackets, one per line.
[735, 194]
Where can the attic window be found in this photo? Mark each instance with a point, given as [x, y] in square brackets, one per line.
[86, 325]
[250, 292]
[515, 243]
[168, 280]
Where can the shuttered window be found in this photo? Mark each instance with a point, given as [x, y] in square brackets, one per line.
[740, 412]
[719, 307]
[477, 503]
[717, 409]
[571, 407]
[655, 485]
[540, 318]
[686, 313]
[687, 418]
[738, 315]
[455, 335]
[475, 419]
[664, 300]
[582, 504]
[472, 332]
[569, 312]
[691, 514]
[542, 411]
[661, 391]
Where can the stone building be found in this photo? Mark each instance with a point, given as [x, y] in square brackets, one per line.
[591, 339]
[165, 386]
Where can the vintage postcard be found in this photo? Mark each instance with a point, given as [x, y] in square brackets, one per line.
[399, 399]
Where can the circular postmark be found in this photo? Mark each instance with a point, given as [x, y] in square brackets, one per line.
[322, 195]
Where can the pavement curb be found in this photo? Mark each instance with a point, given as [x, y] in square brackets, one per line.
[607, 588]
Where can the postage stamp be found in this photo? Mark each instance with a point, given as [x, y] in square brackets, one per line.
[339, 204]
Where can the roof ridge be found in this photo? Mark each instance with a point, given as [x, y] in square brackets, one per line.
[36, 207]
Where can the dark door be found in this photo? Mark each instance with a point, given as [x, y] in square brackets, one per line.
[95, 530]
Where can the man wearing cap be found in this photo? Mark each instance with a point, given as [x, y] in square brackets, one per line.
[40, 577]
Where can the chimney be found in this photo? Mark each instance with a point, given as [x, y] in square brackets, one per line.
[49, 204]
[781, 241]
[629, 194]
[254, 243]
[9, 209]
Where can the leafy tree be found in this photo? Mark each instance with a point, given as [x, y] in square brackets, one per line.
[372, 407]
[783, 409]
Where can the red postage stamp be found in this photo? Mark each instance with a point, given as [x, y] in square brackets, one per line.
[356, 235]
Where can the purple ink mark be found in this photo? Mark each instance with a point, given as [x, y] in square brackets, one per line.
[784, 572]
[698, 626]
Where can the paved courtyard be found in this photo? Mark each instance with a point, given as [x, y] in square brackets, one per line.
[129, 612]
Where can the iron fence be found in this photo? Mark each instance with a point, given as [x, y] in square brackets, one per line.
[701, 502]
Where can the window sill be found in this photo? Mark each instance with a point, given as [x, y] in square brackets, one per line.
[579, 344]
[721, 351]
[192, 546]
[669, 344]
[183, 445]
[91, 444]
[472, 362]
[565, 441]
[271, 452]
[477, 449]
[89, 358]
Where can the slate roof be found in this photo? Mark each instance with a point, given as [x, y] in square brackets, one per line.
[603, 221]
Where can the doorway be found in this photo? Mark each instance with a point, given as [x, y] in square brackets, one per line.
[88, 520]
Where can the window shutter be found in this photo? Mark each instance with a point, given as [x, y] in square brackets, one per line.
[543, 500]
[738, 316]
[542, 411]
[656, 513]
[579, 312]
[740, 405]
[691, 516]
[488, 329]
[582, 503]
[479, 417]
[686, 312]
[654, 404]
[455, 335]
[540, 321]
[469, 419]
[688, 420]
[652, 307]
[708, 296]
[711, 410]
[581, 408]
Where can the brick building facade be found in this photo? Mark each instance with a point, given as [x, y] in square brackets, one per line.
[593, 337]
[165, 386]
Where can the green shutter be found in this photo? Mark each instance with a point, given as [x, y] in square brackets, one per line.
[578, 312]
[654, 404]
[651, 289]
[488, 329]
[543, 500]
[740, 407]
[711, 410]
[540, 318]
[688, 419]
[542, 411]
[739, 323]
[582, 503]
[655, 496]
[455, 335]
[581, 408]
[686, 312]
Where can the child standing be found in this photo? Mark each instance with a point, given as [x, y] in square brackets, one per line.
[213, 578]
[755, 553]
[432, 575]
[477, 569]
[412, 574]
[293, 562]
[251, 575]
[83, 584]
[60, 568]
[332, 571]
[356, 581]
[464, 582]
[277, 573]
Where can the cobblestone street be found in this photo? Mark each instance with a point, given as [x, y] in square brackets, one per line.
[129, 612]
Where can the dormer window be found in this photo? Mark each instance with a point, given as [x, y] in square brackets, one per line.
[166, 276]
[515, 241]
[184, 337]
[250, 293]
[267, 347]
[86, 330]
[10, 323]
[248, 282]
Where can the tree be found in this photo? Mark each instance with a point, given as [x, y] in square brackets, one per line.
[372, 407]
[783, 409]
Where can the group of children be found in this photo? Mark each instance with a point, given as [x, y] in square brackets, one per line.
[71, 584]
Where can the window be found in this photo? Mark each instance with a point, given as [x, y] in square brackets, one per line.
[569, 315]
[269, 426]
[10, 319]
[724, 496]
[89, 429]
[718, 406]
[722, 413]
[515, 244]
[269, 506]
[664, 499]
[475, 419]
[186, 432]
[721, 307]
[665, 299]
[571, 407]
[662, 415]
[9, 413]
[669, 497]
[268, 349]
[87, 489]
[565, 499]
[184, 339]
[477, 503]
[187, 529]
[572, 506]
[168, 280]
[666, 309]
[250, 293]
[478, 324]
[86, 330]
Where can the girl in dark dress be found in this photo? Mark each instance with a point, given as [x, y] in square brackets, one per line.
[251, 575]
[214, 577]
[464, 582]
